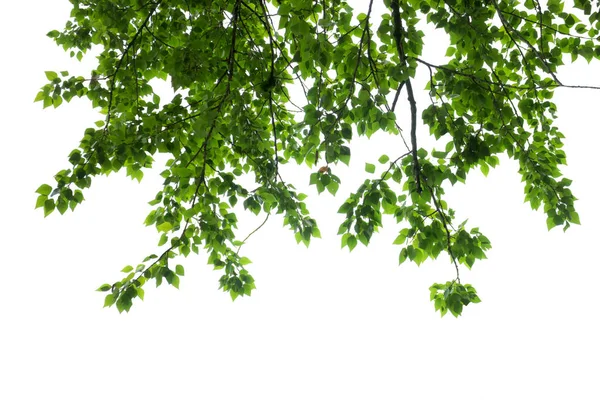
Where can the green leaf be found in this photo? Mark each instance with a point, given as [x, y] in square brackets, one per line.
[245, 261]
[50, 75]
[179, 270]
[104, 288]
[48, 207]
[164, 227]
[333, 187]
[47, 101]
[109, 300]
[41, 201]
[174, 281]
[62, 205]
[182, 172]
[403, 256]
[39, 97]
[44, 190]
[550, 223]
[384, 159]
[163, 239]
[351, 242]
[370, 168]
[485, 169]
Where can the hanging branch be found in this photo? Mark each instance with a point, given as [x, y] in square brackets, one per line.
[270, 85]
[398, 31]
[120, 62]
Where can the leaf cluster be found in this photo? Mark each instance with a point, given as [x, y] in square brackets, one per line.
[235, 68]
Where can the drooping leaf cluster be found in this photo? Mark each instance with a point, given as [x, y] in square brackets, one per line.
[233, 64]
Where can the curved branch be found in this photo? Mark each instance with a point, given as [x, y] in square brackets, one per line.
[253, 232]
[398, 31]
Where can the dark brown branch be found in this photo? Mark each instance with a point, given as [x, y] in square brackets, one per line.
[272, 81]
[398, 37]
[120, 62]
[231, 58]
[396, 96]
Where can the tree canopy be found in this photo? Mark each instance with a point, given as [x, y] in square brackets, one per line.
[233, 64]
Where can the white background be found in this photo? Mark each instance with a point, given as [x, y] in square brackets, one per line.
[323, 324]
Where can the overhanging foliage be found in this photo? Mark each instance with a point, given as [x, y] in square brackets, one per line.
[232, 64]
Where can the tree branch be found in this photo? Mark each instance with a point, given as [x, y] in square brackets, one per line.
[398, 31]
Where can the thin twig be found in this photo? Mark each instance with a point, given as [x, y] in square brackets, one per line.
[252, 233]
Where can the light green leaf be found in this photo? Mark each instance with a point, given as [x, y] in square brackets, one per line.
[384, 159]
[164, 227]
[51, 75]
[104, 288]
[39, 97]
[245, 261]
[109, 300]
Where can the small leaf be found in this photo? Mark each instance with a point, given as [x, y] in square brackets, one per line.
[163, 239]
[351, 242]
[164, 227]
[245, 261]
[44, 190]
[109, 300]
[550, 223]
[575, 218]
[485, 169]
[179, 270]
[370, 168]
[40, 201]
[104, 288]
[183, 172]
[403, 255]
[384, 159]
[333, 187]
[174, 281]
[39, 97]
[62, 205]
[48, 207]
[51, 75]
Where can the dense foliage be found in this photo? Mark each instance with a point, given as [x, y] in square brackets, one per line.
[232, 64]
